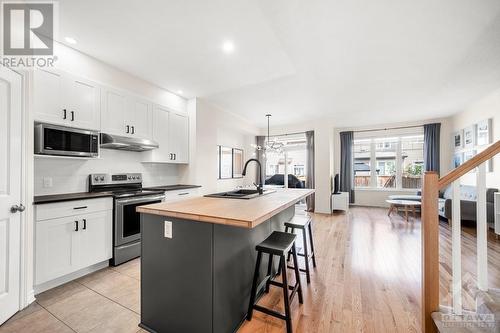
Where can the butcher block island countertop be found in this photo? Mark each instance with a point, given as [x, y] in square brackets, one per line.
[246, 213]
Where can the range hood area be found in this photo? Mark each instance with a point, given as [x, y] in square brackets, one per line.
[110, 141]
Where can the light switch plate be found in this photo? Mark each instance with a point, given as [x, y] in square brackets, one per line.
[167, 229]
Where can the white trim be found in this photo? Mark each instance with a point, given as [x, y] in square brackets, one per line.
[456, 249]
[482, 229]
[70, 277]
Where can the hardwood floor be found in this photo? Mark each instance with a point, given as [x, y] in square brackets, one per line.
[367, 280]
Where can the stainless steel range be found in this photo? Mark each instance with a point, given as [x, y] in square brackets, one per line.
[128, 194]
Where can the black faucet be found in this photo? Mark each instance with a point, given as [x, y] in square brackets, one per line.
[260, 187]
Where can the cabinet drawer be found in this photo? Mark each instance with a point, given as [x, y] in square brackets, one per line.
[70, 208]
[180, 194]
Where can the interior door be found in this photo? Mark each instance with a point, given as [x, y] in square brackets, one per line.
[10, 191]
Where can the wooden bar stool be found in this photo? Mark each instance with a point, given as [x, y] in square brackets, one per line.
[277, 244]
[303, 222]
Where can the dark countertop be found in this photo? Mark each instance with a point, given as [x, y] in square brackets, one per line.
[171, 187]
[43, 199]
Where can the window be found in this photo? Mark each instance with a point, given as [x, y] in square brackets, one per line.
[389, 162]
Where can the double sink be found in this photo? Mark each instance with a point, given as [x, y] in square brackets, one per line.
[239, 194]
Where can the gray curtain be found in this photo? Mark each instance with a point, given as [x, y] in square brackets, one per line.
[346, 164]
[310, 201]
[431, 146]
[260, 141]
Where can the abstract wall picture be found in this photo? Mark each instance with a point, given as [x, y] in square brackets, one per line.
[469, 137]
[458, 140]
[483, 130]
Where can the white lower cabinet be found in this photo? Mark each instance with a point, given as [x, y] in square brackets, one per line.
[66, 244]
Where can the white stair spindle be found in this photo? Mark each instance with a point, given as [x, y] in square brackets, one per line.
[456, 248]
[482, 229]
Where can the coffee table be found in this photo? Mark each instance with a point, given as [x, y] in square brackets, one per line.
[406, 204]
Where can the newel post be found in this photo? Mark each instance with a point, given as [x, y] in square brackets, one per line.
[430, 250]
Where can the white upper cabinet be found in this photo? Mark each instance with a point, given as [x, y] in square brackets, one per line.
[64, 99]
[125, 115]
[48, 101]
[171, 131]
[113, 112]
[139, 117]
[84, 103]
[179, 137]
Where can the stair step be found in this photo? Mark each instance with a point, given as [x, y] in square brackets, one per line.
[489, 302]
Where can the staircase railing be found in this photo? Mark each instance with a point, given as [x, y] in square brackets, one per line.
[430, 234]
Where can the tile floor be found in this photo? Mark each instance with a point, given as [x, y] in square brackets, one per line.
[105, 301]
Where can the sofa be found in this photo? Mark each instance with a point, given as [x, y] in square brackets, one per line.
[468, 198]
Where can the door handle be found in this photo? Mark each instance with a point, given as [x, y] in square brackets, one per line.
[72, 115]
[16, 208]
[171, 157]
[128, 129]
[175, 156]
[76, 225]
[133, 130]
[84, 224]
[81, 207]
[65, 114]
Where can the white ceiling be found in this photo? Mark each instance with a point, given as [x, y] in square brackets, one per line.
[358, 62]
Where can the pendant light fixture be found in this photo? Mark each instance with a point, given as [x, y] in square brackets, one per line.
[271, 146]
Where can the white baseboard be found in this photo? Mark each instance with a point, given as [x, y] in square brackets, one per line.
[69, 277]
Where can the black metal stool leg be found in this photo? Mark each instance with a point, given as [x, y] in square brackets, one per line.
[306, 255]
[269, 272]
[254, 287]
[288, 318]
[297, 273]
[312, 244]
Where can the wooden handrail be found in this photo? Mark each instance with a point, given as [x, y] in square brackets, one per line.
[474, 162]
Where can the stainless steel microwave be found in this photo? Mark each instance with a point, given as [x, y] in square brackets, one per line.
[65, 141]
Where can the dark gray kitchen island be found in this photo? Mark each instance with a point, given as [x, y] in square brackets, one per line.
[198, 257]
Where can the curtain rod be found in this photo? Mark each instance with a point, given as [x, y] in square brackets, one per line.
[286, 134]
[386, 129]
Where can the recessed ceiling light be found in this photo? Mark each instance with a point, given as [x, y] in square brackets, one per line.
[228, 47]
[70, 40]
[179, 92]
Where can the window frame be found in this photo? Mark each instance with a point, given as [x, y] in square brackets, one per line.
[374, 144]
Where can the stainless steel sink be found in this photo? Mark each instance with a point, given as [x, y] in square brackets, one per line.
[239, 194]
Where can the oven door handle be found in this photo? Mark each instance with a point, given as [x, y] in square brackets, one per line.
[139, 200]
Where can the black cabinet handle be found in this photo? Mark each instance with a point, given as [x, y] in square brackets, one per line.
[133, 130]
[84, 224]
[76, 225]
[175, 156]
[80, 207]
[185, 193]
[65, 114]
[128, 129]
[72, 115]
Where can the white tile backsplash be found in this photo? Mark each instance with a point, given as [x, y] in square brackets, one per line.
[71, 175]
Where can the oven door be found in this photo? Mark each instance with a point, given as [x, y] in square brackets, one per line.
[127, 220]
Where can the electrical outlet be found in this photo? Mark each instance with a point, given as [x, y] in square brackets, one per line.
[167, 229]
[47, 182]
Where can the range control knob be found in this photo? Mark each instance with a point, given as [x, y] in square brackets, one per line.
[96, 178]
[102, 178]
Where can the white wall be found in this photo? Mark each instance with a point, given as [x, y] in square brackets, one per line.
[210, 127]
[377, 197]
[487, 107]
[71, 175]
[323, 147]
